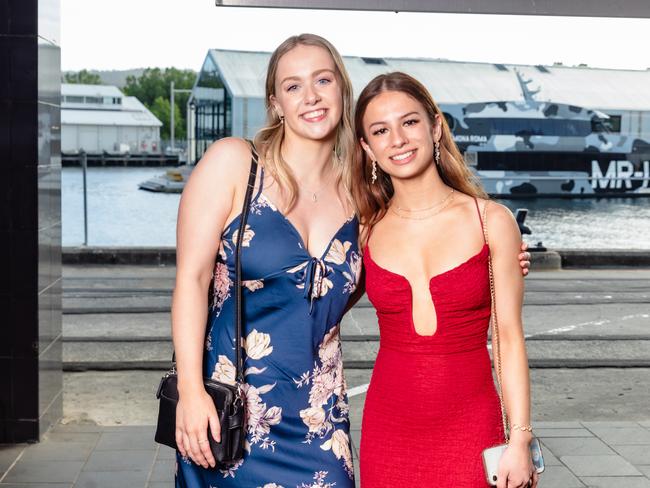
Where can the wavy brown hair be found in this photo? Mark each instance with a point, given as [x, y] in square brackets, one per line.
[371, 200]
[268, 140]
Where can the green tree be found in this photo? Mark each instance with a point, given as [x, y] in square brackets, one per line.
[152, 89]
[82, 77]
[160, 108]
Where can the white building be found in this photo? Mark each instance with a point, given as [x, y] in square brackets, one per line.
[100, 118]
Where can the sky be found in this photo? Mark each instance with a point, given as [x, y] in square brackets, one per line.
[125, 34]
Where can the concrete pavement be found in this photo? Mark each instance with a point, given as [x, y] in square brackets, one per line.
[588, 338]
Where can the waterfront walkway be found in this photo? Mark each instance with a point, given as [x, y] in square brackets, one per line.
[588, 338]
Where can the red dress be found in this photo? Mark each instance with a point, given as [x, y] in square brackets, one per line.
[432, 406]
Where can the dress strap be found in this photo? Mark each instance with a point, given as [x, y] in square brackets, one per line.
[482, 218]
[255, 156]
[261, 184]
[368, 237]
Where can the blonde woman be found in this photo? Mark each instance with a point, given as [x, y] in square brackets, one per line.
[300, 264]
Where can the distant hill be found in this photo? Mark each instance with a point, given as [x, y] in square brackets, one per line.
[115, 77]
[118, 77]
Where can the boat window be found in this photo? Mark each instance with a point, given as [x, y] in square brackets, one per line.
[612, 124]
[534, 127]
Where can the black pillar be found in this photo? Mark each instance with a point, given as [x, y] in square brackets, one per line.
[30, 218]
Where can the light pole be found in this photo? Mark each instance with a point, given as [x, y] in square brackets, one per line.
[172, 90]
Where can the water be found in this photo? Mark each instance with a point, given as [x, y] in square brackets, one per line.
[121, 215]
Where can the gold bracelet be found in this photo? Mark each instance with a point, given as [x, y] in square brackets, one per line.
[525, 428]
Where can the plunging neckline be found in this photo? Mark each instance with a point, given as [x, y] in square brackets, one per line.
[368, 255]
[295, 230]
[436, 276]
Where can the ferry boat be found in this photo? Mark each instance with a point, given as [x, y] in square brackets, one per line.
[543, 149]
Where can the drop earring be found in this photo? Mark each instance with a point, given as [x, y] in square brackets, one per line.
[281, 119]
[436, 153]
[374, 172]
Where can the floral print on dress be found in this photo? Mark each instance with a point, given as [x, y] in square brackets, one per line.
[352, 276]
[248, 236]
[261, 203]
[327, 403]
[319, 482]
[221, 284]
[320, 283]
[259, 417]
[253, 285]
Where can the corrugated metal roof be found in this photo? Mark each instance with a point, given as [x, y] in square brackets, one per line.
[605, 89]
[243, 74]
[132, 113]
[90, 90]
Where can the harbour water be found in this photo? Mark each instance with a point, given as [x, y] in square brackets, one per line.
[119, 214]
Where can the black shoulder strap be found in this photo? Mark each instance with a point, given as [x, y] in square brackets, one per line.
[239, 366]
[239, 372]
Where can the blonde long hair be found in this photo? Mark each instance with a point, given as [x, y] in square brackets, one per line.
[371, 200]
[269, 139]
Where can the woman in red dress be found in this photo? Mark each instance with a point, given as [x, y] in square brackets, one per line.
[432, 406]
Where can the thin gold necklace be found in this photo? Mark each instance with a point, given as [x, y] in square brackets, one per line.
[437, 204]
[437, 208]
[314, 194]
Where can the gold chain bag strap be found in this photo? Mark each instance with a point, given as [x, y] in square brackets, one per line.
[492, 455]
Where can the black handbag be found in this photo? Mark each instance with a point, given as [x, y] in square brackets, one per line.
[228, 399]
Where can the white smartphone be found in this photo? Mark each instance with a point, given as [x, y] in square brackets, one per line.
[492, 456]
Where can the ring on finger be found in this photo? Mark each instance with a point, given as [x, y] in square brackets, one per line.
[202, 441]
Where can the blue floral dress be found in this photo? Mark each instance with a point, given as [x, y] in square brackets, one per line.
[298, 427]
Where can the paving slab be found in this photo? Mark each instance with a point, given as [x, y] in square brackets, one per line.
[163, 470]
[43, 472]
[577, 446]
[543, 433]
[114, 479]
[58, 451]
[617, 482]
[559, 477]
[599, 465]
[562, 424]
[623, 435]
[122, 460]
[165, 452]
[36, 485]
[549, 458]
[637, 455]
[131, 440]
[8, 455]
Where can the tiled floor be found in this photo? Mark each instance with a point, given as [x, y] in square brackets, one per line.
[577, 454]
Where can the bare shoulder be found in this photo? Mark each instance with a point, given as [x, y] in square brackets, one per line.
[501, 223]
[228, 157]
[213, 186]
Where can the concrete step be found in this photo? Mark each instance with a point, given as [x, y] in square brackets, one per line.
[359, 352]
[155, 301]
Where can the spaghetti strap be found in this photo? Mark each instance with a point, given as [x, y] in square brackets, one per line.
[365, 246]
[259, 190]
[482, 218]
